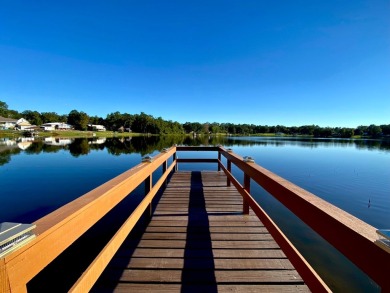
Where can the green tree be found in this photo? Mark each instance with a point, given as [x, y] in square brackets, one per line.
[374, 130]
[47, 117]
[34, 117]
[361, 130]
[79, 120]
[385, 129]
[347, 132]
[3, 109]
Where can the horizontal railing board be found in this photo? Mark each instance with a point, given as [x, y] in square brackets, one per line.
[197, 148]
[184, 160]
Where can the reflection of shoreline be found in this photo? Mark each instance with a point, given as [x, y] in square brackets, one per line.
[98, 141]
[382, 144]
[55, 141]
[22, 143]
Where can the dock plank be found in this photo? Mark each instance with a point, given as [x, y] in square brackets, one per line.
[198, 240]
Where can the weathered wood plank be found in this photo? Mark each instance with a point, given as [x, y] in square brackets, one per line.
[195, 263]
[210, 276]
[211, 224]
[267, 244]
[237, 230]
[173, 288]
[212, 236]
[201, 253]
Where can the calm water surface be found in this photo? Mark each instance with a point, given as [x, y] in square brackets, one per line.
[37, 177]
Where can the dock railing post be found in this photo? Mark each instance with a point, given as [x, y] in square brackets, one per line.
[174, 159]
[148, 187]
[229, 168]
[164, 169]
[247, 187]
[4, 280]
[219, 159]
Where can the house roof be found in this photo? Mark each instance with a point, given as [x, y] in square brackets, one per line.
[24, 123]
[3, 119]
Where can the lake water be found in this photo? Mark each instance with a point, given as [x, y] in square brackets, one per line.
[37, 177]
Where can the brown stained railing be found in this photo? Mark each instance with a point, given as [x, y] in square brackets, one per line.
[348, 234]
[58, 230]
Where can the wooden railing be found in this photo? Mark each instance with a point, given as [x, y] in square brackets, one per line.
[354, 238]
[58, 230]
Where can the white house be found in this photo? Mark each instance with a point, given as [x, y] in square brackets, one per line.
[56, 126]
[7, 123]
[96, 127]
[22, 124]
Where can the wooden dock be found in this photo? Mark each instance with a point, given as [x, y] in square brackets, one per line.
[207, 233]
[199, 240]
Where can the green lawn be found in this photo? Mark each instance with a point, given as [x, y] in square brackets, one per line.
[69, 133]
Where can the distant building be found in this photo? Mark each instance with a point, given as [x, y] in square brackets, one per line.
[95, 127]
[7, 123]
[23, 124]
[56, 126]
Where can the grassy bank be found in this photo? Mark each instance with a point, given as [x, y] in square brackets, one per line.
[69, 133]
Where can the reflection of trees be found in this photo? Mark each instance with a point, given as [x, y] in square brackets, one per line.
[39, 146]
[145, 145]
[35, 148]
[51, 148]
[309, 142]
[79, 147]
[5, 156]
[373, 144]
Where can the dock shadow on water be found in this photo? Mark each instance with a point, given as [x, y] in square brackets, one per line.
[198, 271]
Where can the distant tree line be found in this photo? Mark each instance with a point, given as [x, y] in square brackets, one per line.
[144, 123]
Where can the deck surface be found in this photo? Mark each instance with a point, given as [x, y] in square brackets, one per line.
[198, 240]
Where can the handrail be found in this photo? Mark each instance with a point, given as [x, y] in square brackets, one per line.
[311, 278]
[92, 273]
[58, 230]
[348, 234]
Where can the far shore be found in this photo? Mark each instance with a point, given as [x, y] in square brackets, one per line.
[90, 134]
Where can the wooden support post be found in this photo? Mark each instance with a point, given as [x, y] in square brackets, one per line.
[148, 187]
[174, 159]
[229, 168]
[247, 187]
[164, 169]
[4, 281]
[219, 159]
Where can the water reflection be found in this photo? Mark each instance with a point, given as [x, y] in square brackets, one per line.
[382, 144]
[148, 144]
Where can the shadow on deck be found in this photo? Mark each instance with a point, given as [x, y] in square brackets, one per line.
[198, 240]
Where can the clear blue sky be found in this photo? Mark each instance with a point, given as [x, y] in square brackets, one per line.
[261, 62]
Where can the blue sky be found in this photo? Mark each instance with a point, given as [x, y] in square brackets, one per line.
[261, 62]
